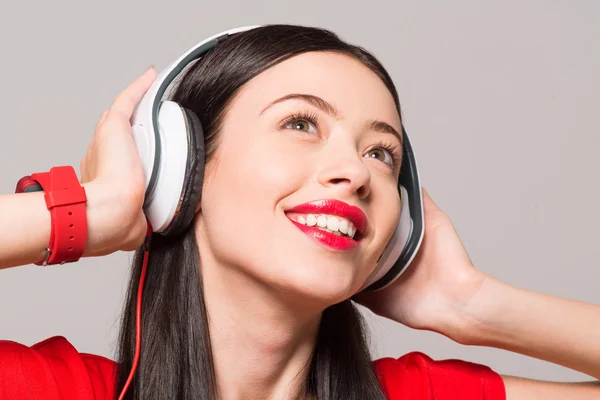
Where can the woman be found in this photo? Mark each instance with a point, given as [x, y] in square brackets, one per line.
[244, 305]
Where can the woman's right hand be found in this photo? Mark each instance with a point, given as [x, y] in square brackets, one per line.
[113, 176]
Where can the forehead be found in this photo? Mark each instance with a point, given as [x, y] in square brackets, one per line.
[356, 91]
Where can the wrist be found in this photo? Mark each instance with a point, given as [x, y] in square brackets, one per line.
[482, 320]
[102, 209]
[65, 198]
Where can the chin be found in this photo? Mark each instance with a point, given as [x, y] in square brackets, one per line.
[326, 284]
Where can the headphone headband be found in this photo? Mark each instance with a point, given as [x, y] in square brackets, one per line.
[146, 112]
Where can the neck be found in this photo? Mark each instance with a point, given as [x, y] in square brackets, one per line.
[262, 339]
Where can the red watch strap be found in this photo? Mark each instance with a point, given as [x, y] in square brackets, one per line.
[66, 200]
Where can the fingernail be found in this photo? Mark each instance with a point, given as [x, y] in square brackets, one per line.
[149, 68]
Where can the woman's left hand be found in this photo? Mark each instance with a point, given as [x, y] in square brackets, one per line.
[435, 291]
[443, 292]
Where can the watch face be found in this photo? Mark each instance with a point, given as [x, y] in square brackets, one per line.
[47, 253]
[27, 184]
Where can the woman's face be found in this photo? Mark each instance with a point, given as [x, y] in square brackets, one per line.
[281, 146]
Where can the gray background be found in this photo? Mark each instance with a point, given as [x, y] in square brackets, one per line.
[500, 100]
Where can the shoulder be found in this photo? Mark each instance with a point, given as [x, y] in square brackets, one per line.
[417, 376]
[53, 369]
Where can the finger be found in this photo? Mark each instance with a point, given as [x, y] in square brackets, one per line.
[431, 210]
[426, 198]
[126, 101]
[83, 169]
[425, 192]
[102, 117]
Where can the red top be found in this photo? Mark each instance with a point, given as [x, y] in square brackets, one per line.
[54, 369]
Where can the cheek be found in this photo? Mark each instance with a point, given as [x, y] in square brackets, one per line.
[262, 173]
[241, 197]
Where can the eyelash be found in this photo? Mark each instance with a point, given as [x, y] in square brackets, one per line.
[302, 116]
[392, 149]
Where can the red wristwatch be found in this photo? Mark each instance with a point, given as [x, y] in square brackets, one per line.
[66, 200]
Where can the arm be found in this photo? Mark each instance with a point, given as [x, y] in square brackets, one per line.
[561, 331]
[24, 228]
[529, 389]
[25, 225]
[113, 178]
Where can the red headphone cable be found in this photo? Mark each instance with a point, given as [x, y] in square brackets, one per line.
[138, 313]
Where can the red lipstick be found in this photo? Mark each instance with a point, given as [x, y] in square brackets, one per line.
[332, 207]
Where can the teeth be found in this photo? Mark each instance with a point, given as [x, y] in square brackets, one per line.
[343, 226]
[333, 224]
[322, 221]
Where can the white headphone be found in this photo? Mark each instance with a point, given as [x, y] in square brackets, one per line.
[170, 142]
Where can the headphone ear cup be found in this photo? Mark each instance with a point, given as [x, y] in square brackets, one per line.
[407, 239]
[194, 176]
[389, 259]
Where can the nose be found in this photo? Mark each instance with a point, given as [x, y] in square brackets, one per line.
[343, 169]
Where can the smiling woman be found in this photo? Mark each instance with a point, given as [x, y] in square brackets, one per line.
[288, 135]
[299, 199]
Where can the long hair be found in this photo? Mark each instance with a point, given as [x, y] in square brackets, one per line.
[176, 360]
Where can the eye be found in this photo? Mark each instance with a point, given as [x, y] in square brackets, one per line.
[301, 125]
[301, 122]
[386, 153]
[379, 154]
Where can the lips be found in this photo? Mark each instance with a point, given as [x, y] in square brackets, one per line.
[337, 208]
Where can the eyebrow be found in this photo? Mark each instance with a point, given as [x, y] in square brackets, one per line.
[326, 107]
